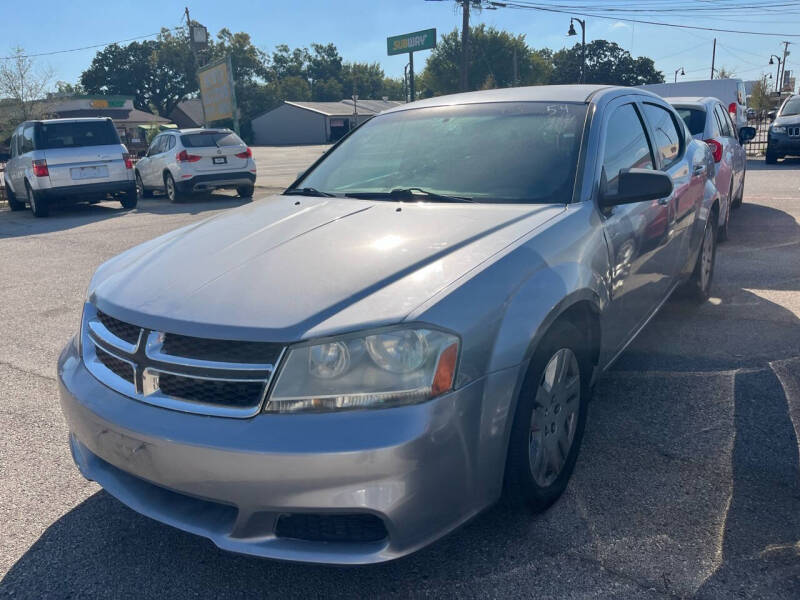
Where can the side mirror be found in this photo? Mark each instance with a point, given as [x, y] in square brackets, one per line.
[771, 114]
[638, 185]
[746, 134]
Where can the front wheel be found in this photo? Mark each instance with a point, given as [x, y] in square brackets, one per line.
[13, 203]
[700, 282]
[549, 420]
[771, 157]
[140, 189]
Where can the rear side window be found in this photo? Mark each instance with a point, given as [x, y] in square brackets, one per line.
[667, 140]
[211, 139]
[171, 142]
[626, 146]
[77, 134]
[724, 122]
[26, 144]
[695, 119]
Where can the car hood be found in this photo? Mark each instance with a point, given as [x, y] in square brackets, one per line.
[789, 120]
[288, 267]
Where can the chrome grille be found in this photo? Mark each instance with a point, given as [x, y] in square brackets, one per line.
[205, 376]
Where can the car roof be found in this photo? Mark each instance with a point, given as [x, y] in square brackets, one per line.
[538, 93]
[691, 100]
[71, 120]
[199, 130]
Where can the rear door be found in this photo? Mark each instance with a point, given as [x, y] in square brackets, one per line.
[737, 153]
[219, 151]
[81, 152]
[725, 179]
[151, 167]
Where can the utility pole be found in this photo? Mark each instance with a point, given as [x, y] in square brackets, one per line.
[196, 64]
[464, 75]
[713, 57]
[783, 65]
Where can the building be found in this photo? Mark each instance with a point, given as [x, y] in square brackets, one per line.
[295, 123]
[188, 114]
[132, 124]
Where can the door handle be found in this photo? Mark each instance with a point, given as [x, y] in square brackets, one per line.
[699, 169]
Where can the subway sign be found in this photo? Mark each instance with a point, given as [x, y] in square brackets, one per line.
[411, 42]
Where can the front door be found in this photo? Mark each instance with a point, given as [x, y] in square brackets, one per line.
[638, 235]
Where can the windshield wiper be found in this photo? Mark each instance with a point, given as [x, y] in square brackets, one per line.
[408, 195]
[307, 191]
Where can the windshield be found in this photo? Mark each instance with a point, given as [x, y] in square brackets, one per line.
[695, 119]
[76, 134]
[792, 107]
[211, 139]
[496, 152]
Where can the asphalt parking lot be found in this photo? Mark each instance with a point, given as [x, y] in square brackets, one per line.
[687, 484]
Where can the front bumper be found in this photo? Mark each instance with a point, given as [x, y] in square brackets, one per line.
[214, 181]
[782, 144]
[422, 469]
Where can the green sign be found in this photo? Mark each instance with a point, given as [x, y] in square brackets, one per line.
[411, 42]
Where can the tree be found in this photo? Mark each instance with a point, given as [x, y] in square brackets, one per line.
[65, 88]
[157, 73]
[607, 63]
[491, 55]
[24, 86]
[725, 73]
[759, 96]
[288, 63]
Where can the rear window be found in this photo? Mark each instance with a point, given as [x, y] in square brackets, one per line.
[211, 139]
[76, 134]
[695, 119]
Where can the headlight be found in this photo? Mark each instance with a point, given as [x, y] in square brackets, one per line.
[376, 370]
[778, 129]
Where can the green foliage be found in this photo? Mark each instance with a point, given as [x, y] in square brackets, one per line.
[725, 73]
[606, 63]
[759, 96]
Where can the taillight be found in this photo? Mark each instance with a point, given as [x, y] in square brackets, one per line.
[732, 109]
[40, 168]
[246, 154]
[128, 162]
[716, 149]
[184, 156]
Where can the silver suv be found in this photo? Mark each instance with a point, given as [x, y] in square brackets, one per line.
[68, 160]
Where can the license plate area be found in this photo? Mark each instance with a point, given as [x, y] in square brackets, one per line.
[220, 160]
[94, 172]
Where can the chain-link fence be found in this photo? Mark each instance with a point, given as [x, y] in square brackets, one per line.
[758, 145]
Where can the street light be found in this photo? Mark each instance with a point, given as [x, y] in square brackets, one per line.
[571, 32]
[778, 74]
[682, 72]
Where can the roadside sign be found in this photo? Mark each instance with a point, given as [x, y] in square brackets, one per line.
[411, 42]
[216, 90]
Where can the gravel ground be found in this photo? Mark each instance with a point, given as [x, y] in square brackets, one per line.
[687, 484]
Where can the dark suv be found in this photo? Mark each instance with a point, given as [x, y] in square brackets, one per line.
[784, 133]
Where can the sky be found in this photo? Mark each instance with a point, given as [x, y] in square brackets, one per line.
[359, 29]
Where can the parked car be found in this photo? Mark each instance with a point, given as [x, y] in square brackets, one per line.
[708, 121]
[67, 160]
[731, 92]
[353, 369]
[784, 133]
[180, 162]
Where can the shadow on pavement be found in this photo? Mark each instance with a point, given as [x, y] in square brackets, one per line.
[22, 223]
[687, 483]
[758, 164]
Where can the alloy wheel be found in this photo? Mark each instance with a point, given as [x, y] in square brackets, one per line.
[139, 186]
[707, 259]
[31, 199]
[170, 188]
[555, 417]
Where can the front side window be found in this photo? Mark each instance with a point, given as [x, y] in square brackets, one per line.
[666, 139]
[76, 134]
[626, 146]
[492, 152]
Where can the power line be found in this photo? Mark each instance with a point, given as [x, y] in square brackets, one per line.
[518, 5]
[138, 37]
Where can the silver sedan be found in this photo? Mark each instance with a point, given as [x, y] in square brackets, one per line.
[348, 371]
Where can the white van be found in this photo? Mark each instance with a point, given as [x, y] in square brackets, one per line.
[730, 92]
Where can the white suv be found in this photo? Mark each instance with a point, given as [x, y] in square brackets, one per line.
[183, 161]
[67, 160]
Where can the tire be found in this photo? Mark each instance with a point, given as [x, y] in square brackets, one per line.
[245, 191]
[39, 206]
[13, 203]
[699, 285]
[140, 190]
[129, 201]
[737, 201]
[539, 466]
[770, 158]
[171, 189]
[722, 233]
